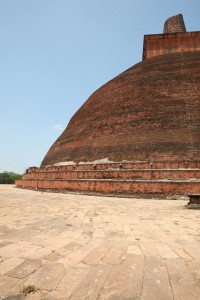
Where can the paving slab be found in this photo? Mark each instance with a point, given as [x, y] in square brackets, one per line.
[10, 264]
[69, 283]
[125, 280]
[7, 284]
[116, 253]
[90, 287]
[194, 269]
[182, 281]
[25, 268]
[71, 246]
[156, 283]
[46, 277]
[96, 255]
[9, 250]
[74, 257]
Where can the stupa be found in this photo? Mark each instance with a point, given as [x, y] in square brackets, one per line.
[140, 132]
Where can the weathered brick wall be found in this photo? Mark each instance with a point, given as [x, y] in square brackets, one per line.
[117, 187]
[126, 178]
[120, 174]
[162, 44]
[150, 112]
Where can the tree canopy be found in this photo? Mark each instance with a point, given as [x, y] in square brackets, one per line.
[9, 177]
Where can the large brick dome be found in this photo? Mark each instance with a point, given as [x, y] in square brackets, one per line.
[149, 112]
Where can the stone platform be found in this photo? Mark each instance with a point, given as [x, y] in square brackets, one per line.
[138, 178]
[70, 246]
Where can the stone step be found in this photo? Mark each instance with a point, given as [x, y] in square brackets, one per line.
[122, 165]
[117, 174]
[115, 186]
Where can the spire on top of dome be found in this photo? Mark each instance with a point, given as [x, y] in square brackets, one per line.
[174, 24]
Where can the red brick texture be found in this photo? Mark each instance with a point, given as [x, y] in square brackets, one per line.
[117, 187]
[125, 179]
[150, 112]
[162, 44]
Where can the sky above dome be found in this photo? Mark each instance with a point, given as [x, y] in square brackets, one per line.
[55, 53]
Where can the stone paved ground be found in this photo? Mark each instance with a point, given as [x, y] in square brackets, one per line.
[68, 246]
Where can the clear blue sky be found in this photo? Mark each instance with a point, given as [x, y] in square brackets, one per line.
[55, 53]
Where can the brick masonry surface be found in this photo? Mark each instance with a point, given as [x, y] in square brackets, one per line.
[161, 178]
[150, 112]
[161, 44]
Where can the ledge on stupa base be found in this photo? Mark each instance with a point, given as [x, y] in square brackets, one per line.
[165, 164]
[146, 179]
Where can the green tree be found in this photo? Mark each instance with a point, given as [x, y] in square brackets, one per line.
[9, 177]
